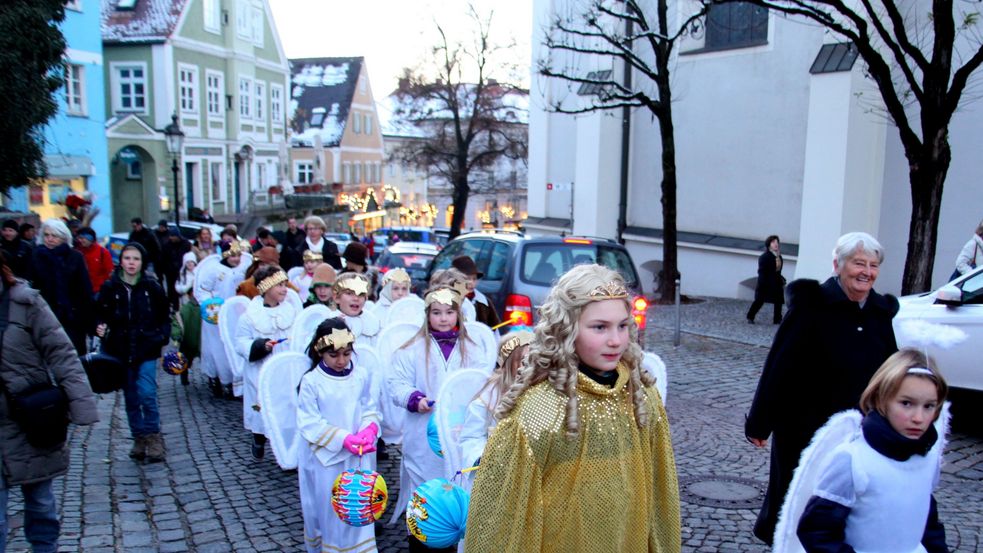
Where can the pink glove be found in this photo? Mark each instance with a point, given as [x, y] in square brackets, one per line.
[369, 434]
[353, 442]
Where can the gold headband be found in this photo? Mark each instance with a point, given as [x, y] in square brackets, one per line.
[356, 285]
[337, 340]
[311, 255]
[443, 296]
[234, 249]
[513, 342]
[271, 281]
[460, 287]
[397, 275]
[610, 291]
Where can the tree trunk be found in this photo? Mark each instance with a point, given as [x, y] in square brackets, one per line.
[927, 176]
[670, 260]
[460, 196]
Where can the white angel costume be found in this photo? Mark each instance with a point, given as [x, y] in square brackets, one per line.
[478, 424]
[259, 322]
[415, 369]
[329, 408]
[213, 279]
[302, 280]
[365, 327]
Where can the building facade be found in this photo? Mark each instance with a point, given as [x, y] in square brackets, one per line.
[75, 143]
[777, 132]
[219, 66]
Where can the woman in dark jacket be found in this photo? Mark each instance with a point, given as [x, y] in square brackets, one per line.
[132, 315]
[832, 340]
[771, 285]
[60, 274]
[33, 348]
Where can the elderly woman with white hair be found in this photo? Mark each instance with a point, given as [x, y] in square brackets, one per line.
[58, 271]
[315, 241]
[833, 338]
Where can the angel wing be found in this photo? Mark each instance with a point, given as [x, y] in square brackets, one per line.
[294, 299]
[277, 387]
[304, 326]
[228, 319]
[408, 309]
[295, 272]
[393, 417]
[456, 393]
[653, 364]
[205, 278]
[366, 358]
[487, 347]
[467, 309]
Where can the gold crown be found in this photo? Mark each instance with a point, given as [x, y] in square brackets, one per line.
[513, 342]
[271, 281]
[443, 296]
[609, 291]
[311, 255]
[234, 249]
[337, 340]
[398, 274]
[356, 285]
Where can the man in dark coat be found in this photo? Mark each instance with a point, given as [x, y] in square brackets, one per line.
[171, 256]
[771, 285]
[17, 251]
[484, 311]
[834, 337]
[142, 235]
[294, 235]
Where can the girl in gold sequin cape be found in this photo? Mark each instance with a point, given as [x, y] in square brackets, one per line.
[589, 472]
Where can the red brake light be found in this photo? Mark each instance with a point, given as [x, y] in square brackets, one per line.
[383, 269]
[577, 241]
[639, 305]
[518, 309]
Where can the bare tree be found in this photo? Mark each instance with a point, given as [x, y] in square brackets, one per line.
[640, 35]
[468, 118]
[920, 57]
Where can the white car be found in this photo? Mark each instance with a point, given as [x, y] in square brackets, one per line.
[958, 304]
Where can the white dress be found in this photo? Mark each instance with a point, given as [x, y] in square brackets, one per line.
[410, 374]
[215, 280]
[269, 323]
[365, 327]
[329, 408]
[478, 423]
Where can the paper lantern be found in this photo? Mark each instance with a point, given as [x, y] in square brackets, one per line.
[359, 497]
[437, 513]
[433, 437]
[175, 363]
[209, 310]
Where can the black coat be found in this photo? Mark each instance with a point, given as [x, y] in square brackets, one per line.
[138, 320]
[18, 254]
[822, 358]
[171, 257]
[62, 278]
[771, 286]
[149, 242]
[329, 253]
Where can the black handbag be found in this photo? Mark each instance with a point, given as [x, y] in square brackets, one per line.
[106, 373]
[41, 411]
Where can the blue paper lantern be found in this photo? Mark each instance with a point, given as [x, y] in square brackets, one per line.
[210, 308]
[433, 437]
[437, 513]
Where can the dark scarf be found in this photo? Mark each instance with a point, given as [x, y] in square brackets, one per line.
[608, 378]
[888, 442]
[446, 341]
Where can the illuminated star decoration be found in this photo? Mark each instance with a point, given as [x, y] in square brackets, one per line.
[444, 296]
[356, 285]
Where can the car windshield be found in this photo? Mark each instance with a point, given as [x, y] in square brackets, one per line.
[543, 263]
[408, 260]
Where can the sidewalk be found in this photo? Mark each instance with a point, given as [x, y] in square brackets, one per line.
[720, 318]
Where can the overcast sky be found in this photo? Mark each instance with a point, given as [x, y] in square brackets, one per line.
[390, 34]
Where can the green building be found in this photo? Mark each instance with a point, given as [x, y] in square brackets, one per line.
[219, 66]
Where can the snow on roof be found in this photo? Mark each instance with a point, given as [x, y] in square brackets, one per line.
[147, 21]
[403, 113]
[323, 88]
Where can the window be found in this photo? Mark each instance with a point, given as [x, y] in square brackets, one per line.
[126, 4]
[304, 171]
[212, 16]
[736, 25]
[357, 173]
[276, 104]
[256, 23]
[368, 124]
[217, 182]
[261, 176]
[346, 173]
[131, 89]
[134, 170]
[188, 88]
[245, 98]
[75, 89]
[260, 102]
[357, 122]
[243, 25]
[215, 88]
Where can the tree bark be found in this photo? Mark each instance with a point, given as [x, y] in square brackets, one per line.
[461, 192]
[927, 176]
[670, 250]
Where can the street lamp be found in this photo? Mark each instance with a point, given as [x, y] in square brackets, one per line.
[175, 140]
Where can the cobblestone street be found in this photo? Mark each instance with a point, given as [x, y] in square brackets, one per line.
[210, 496]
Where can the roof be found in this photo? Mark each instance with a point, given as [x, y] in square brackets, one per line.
[403, 115]
[323, 88]
[147, 21]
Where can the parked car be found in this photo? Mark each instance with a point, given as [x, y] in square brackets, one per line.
[415, 257]
[406, 234]
[958, 304]
[341, 239]
[189, 230]
[519, 270]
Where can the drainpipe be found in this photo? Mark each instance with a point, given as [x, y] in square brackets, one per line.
[625, 150]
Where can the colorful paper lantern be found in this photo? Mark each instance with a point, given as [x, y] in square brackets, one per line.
[437, 513]
[174, 363]
[433, 437]
[359, 497]
[210, 308]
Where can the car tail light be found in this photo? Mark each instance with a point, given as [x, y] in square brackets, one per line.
[638, 307]
[383, 270]
[518, 309]
[577, 241]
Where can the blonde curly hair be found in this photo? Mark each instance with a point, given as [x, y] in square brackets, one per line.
[552, 354]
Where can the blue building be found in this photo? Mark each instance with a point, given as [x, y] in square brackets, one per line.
[75, 152]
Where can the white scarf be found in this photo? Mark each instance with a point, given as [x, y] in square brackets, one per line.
[317, 248]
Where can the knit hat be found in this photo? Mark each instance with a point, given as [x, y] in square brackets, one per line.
[84, 231]
[189, 256]
[356, 252]
[267, 255]
[10, 223]
[467, 266]
[324, 274]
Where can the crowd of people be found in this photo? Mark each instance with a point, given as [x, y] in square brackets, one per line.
[563, 439]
